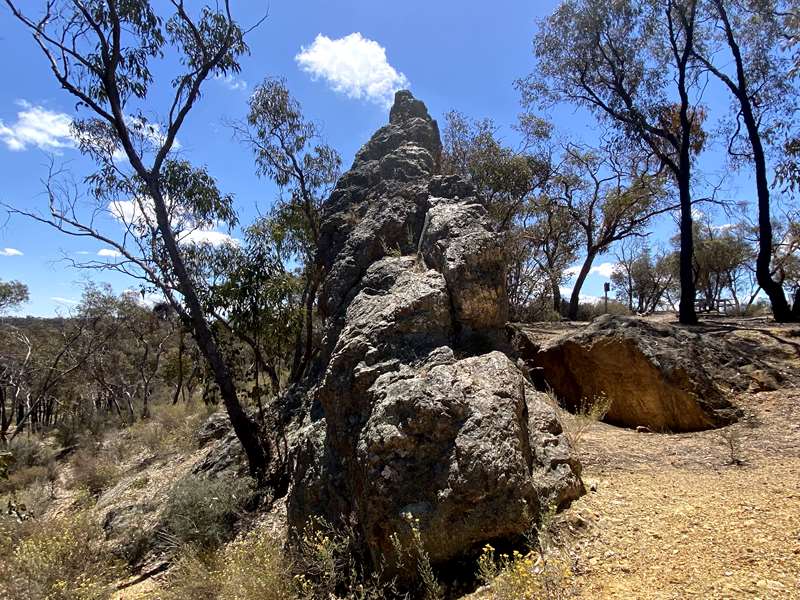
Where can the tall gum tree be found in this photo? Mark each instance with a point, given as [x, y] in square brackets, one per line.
[631, 64]
[102, 52]
[745, 52]
[609, 199]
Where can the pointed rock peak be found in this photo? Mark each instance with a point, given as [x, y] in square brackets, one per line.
[407, 107]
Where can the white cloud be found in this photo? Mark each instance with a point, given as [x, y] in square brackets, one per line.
[206, 236]
[69, 301]
[10, 252]
[604, 269]
[108, 253]
[39, 127]
[140, 215]
[83, 252]
[566, 292]
[232, 82]
[148, 300]
[354, 66]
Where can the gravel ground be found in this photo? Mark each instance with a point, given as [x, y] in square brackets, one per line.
[672, 518]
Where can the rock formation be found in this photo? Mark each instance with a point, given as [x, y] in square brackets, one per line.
[656, 375]
[412, 408]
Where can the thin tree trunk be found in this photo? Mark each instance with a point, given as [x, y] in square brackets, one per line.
[574, 300]
[245, 428]
[556, 295]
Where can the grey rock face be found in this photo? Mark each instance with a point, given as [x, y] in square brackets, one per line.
[656, 375]
[409, 418]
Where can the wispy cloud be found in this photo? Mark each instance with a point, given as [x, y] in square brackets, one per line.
[108, 253]
[10, 252]
[232, 82]
[353, 65]
[39, 127]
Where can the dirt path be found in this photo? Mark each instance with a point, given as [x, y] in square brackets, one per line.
[670, 518]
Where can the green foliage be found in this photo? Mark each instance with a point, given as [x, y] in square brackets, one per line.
[12, 294]
[642, 280]
[326, 566]
[588, 311]
[253, 567]
[545, 571]
[201, 512]
[504, 178]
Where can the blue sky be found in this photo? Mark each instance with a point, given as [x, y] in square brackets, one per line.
[340, 60]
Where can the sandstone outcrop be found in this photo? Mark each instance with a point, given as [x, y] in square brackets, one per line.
[656, 375]
[411, 408]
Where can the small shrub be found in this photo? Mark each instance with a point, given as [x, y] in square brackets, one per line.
[170, 429]
[587, 412]
[193, 576]
[326, 565]
[22, 478]
[589, 311]
[731, 439]
[202, 512]
[250, 568]
[543, 573]
[61, 559]
[255, 567]
[93, 471]
[28, 451]
[415, 550]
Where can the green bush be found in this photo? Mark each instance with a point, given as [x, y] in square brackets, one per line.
[588, 311]
[93, 471]
[202, 512]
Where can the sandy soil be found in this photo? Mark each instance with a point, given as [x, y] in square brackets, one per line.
[672, 518]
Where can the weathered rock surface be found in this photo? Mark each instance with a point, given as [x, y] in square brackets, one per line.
[412, 409]
[656, 375]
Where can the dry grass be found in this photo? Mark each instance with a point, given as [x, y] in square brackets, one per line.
[57, 559]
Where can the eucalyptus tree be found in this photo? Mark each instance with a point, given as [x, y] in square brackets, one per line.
[552, 236]
[12, 294]
[745, 51]
[510, 182]
[504, 177]
[609, 198]
[103, 52]
[289, 150]
[631, 63]
[642, 278]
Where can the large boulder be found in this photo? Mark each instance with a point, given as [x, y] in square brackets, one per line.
[655, 375]
[406, 413]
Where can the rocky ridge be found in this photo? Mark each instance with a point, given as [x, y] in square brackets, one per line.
[655, 375]
[411, 409]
